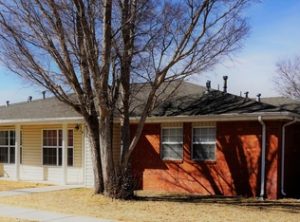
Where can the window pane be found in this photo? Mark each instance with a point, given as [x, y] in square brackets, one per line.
[172, 135]
[204, 151]
[204, 134]
[3, 154]
[70, 156]
[3, 137]
[49, 156]
[60, 137]
[172, 151]
[50, 137]
[172, 143]
[12, 137]
[12, 154]
[70, 137]
[21, 155]
[59, 156]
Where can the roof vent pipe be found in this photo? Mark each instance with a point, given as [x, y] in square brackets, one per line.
[208, 85]
[44, 94]
[29, 99]
[7, 103]
[246, 94]
[225, 84]
[258, 97]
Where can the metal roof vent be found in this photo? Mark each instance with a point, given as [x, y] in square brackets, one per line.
[208, 85]
[29, 99]
[44, 94]
[225, 84]
[258, 97]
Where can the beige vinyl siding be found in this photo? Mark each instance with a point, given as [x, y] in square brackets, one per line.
[89, 174]
[32, 144]
[166, 125]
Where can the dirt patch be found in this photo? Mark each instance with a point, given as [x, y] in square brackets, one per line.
[158, 208]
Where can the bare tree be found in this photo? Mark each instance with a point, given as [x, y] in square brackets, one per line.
[288, 77]
[95, 50]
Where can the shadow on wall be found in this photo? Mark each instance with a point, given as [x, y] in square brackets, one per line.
[235, 172]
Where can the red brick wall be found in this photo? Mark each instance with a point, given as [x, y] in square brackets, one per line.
[236, 170]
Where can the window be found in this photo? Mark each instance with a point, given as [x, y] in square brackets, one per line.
[7, 146]
[52, 147]
[171, 145]
[204, 143]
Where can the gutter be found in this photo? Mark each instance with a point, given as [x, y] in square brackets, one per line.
[263, 158]
[218, 117]
[283, 154]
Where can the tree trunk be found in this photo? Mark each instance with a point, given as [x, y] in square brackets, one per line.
[106, 155]
[93, 132]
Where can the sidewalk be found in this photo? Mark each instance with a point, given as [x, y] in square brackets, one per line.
[41, 215]
[37, 190]
[44, 216]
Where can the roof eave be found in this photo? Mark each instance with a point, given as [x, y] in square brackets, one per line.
[39, 121]
[220, 117]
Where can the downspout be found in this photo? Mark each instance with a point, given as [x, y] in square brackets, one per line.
[283, 154]
[263, 158]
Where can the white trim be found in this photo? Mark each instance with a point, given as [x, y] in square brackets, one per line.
[169, 119]
[83, 135]
[209, 143]
[17, 150]
[218, 117]
[283, 132]
[65, 151]
[263, 157]
[39, 121]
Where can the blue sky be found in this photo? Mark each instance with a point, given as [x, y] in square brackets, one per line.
[274, 35]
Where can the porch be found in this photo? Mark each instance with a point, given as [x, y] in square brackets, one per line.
[52, 152]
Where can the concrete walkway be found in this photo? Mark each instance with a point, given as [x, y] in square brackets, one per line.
[37, 190]
[41, 215]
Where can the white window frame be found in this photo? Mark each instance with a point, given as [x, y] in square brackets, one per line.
[162, 143]
[205, 143]
[57, 147]
[8, 146]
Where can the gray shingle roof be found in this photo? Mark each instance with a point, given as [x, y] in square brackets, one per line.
[37, 109]
[189, 100]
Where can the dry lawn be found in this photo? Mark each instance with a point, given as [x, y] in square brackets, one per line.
[14, 185]
[8, 219]
[161, 208]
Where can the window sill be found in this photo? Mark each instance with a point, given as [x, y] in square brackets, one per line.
[172, 160]
[204, 161]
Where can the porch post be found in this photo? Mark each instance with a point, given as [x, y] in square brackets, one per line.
[64, 152]
[17, 150]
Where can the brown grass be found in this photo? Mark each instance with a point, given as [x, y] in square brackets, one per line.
[8, 219]
[161, 208]
[6, 185]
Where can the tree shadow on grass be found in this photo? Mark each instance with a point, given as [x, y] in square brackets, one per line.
[286, 205]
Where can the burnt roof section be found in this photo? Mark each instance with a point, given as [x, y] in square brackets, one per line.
[214, 102]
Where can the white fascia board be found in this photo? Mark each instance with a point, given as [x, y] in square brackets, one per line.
[220, 117]
[42, 121]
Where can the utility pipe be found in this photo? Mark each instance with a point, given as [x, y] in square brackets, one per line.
[283, 154]
[263, 158]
